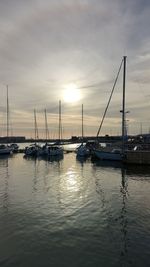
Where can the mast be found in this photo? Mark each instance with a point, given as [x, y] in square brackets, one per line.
[82, 123]
[7, 116]
[46, 126]
[123, 104]
[35, 126]
[99, 129]
[59, 137]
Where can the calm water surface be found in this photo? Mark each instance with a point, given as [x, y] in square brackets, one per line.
[73, 213]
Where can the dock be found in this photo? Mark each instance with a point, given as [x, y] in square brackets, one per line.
[141, 157]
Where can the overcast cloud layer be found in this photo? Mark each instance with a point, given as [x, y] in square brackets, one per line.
[46, 44]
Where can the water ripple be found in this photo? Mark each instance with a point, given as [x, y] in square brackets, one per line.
[72, 213]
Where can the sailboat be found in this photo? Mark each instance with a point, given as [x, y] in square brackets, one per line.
[82, 150]
[32, 150]
[115, 153]
[56, 149]
[5, 149]
[42, 151]
[14, 147]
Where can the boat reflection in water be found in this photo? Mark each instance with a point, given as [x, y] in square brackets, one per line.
[5, 170]
[81, 159]
[107, 163]
[95, 212]
[117, 222]
[138, 171]
[45, 158]
[130, 179]
[123, 217]
[129, 169]
[58, 157]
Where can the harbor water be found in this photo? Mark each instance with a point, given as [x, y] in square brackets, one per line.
[72, 212]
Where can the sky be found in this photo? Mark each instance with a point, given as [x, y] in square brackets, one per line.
[50, 46]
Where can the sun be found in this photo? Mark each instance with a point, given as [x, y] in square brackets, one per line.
[71, 93]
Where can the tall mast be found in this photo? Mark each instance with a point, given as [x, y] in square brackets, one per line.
[99, 129]
[35, 126]
[123, 104]
[7, 116]
[82, 123]
[46, 125]
[59, 120]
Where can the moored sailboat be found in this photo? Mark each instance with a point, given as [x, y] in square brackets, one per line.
[32, 150]
[115, 153]
[5, 149]
[82, 150]
[42, 151]
[56, 150]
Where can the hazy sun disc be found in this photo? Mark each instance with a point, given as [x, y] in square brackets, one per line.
[71, 93]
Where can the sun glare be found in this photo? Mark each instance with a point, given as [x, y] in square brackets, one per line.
[71, 93]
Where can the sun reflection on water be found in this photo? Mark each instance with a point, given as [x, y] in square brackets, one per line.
[70, 182]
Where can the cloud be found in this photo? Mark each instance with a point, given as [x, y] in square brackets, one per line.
[47, 44]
